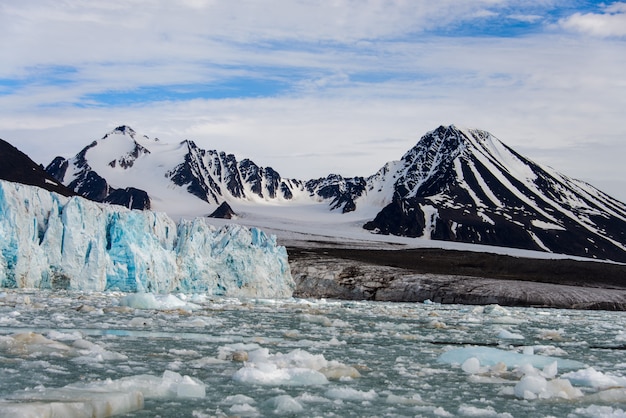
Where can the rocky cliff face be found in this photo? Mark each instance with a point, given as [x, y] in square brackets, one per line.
[320, 274]
[216, 176]
[17, 167]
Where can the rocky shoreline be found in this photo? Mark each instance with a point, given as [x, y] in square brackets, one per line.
[448, 276]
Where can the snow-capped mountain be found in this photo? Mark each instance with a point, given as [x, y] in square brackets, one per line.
[455, 184]
[216, 176]
[467, 186]
[141, 173]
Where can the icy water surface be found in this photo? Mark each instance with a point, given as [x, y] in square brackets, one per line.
[94, 354]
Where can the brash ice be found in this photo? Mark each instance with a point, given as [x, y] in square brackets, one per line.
[53, 242]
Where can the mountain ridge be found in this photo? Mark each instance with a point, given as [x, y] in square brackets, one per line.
[18, 167]
[455, 184]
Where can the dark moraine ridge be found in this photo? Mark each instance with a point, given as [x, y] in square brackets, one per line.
[450, 276]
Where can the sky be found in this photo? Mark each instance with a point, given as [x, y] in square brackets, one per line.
[313, 87]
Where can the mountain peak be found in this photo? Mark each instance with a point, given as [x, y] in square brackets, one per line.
[122, 130]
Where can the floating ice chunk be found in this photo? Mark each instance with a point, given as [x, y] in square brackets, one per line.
[441, 412]
[28, 343]
[548, 350]
[244, 410]
[596, 411]
[473, 411]
[471, 365]
[227, 352]
[86, 403]
[550, 371]
[496, 310]
[152, 301]
[613, 395]
[350, 394]
[530, 386]
[551, 334]
[270, 374]
[141, 322]
[535, 386]
[189, 387]
[316, 319]
[508, 335]
[88, 349]
[489, 356]
[284, 404]
[340, 372]
[593, 378]
[340, 323]
[101, 398]
[169, 385]
[298, 367]
[496, 314]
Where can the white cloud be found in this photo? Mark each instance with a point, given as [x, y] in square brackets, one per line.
[610, 23]
[356, 73]
[528, 18]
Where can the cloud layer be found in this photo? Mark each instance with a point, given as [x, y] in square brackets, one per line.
[312, 88]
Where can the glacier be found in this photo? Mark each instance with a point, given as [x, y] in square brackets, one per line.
[49, 241]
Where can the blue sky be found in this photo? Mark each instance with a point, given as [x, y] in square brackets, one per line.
[314, 87]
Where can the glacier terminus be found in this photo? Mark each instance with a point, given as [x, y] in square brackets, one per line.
[50, 241]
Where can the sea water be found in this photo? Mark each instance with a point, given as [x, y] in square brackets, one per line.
[140, 355]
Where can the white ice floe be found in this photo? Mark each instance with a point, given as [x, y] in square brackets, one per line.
[490, 356]
[284, 404]
[473, 411]
[592, 378]
[100, 398]
[296, 368]
[538, 373]
[350, 394]
[536, 386]
[158, 302]
[598, 411]
[508, 335]
[32, 344]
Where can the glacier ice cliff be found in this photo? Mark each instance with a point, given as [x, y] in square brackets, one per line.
[50, 241]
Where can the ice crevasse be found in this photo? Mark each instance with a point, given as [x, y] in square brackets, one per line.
[52, 242]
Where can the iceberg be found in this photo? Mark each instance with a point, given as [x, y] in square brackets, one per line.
[103, 398]
[49, 241]
[490, 356]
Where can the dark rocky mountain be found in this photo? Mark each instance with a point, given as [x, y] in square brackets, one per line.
[89, 184]
[17, 167]
[455, 184]
[223, 211]
[341, 192]
[214, 176]
[467, 186]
